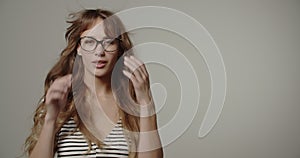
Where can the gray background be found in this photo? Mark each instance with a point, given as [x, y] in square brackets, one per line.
[259, 42]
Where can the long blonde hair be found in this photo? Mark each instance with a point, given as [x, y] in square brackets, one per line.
[81, 21]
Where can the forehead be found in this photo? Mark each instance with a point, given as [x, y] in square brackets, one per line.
[96, 31]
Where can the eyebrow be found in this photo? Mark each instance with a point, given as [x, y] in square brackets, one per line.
[105, 37]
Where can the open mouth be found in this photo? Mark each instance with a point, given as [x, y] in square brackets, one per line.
[100, 64]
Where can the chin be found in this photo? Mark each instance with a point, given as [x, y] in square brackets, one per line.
[101, 73]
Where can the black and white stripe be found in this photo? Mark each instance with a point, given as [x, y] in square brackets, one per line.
[74, 145]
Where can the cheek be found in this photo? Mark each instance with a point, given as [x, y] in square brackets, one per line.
[114, 59]
[87, 59]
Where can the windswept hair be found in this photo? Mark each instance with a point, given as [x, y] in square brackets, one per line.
[69, 63]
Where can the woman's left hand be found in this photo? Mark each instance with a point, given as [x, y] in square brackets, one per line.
[140, 79]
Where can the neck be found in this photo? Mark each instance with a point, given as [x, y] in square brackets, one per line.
[101, 86]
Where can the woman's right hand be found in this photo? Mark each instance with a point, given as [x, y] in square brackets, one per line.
[56, 97]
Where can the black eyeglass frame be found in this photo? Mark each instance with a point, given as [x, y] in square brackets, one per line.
[101, 42]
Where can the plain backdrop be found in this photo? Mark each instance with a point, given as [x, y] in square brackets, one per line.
[259, 43]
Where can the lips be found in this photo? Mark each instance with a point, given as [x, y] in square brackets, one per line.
[100, 63]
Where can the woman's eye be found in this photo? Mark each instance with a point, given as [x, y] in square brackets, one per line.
[89, 42]
[108, 42]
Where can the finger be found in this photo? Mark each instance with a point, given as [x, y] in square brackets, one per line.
[64, 79]
[130, 76]
[61, 83]
[129, 64]
[57, 96]
[141, 67]
[54, 99]
[59, 87]
[67, 80]
[140, 64]
[60, 92]
[132, 67]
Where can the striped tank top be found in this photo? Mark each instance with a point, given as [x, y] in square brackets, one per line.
[74, 145]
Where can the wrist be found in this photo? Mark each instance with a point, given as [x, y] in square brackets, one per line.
[147, 110]
[145, 101]
[50, 119]
[49, 125]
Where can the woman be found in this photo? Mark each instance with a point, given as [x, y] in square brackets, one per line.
[97, 101]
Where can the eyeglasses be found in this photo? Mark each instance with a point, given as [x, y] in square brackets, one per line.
[90, 44]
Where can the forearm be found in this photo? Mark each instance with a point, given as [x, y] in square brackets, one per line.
[45, 143]
[149, 143]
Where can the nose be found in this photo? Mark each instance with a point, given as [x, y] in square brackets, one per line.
[99, 51]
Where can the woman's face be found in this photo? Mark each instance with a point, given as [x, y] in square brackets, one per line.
[98, 61]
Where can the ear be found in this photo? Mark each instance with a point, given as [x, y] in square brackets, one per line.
[78, 51]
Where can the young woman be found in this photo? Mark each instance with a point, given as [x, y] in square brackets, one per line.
[97, 101]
